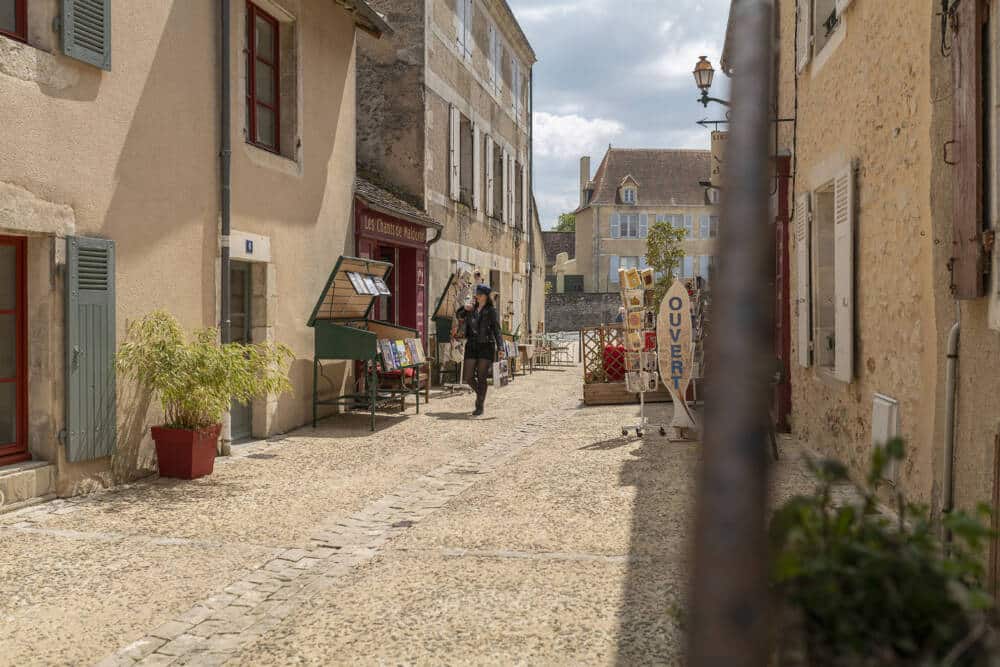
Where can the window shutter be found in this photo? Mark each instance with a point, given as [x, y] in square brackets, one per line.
[477, 174]
[90, 348]
[615, 229]
[492, 55]
[525, 196]
[967, 218]
[86, 31]
[505, 186]
[490, 176]
[615, 262]
[644, 226]
[843, 259]
[454, 154]
[689, 226]
[803, 32]
[803, 275]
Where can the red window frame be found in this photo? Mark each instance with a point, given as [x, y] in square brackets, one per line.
[20, 22]
[17, 451]
[254, 12]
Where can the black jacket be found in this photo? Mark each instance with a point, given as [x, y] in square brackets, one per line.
[481, 326]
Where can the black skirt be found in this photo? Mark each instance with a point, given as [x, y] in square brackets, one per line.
[474, 350]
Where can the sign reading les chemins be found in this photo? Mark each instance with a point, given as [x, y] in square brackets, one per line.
[374, 224]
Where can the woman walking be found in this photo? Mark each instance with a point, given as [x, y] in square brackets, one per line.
[482, 343]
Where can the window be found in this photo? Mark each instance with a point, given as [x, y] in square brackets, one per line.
[463, 28]
[687, 267]
[466, 143]
[14, 19]
[819, 21]
[573, 283]
[495, 58]
[616, 262]
[629, 195]
[629, 225]
[263, 80]
[675, 221]
[515, 68]
[499, 181]
[519, 195]
[824, 224]
[709, 226]
[712, 195]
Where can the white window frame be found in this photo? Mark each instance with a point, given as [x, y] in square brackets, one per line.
[807, 239]
[496, 59]
[515, 77]
[807, 19]
[630, 195]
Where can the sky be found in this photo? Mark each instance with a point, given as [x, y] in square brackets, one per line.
[615, 72]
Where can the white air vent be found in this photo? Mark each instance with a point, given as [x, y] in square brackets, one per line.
[885, 427]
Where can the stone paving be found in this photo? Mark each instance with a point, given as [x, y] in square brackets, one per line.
[534, 536]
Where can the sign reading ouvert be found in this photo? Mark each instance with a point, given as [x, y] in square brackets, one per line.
[675, 347]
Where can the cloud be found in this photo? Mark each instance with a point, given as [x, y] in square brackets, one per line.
[554, 10]
[570, 136]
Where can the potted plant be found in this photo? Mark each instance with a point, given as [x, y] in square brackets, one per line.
[196, 379]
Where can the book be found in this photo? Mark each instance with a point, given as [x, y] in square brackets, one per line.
[388, 358]
[402, 354]
[357, 282]
[413, 347]
[370, 286]
[381, 287]
[636, 319]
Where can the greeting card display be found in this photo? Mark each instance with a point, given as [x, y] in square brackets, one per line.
[648, 278]
[632, 279]
[634, 299]
[636, 319]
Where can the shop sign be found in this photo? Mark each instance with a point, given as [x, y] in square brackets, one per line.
[719, 141]
[371, 224]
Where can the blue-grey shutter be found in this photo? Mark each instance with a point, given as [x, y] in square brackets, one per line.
[90, 348]
[689, 226]
[613, 269]
[615, 229]
[703, 223]
[86, 31]
[643, 226]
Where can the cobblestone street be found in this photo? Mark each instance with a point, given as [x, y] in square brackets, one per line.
[534, 535]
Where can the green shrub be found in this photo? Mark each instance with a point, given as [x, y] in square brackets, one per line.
[196, 379]
[875, 589]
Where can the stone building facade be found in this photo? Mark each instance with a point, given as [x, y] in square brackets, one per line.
[631, 190]
[444, 109]
[110, 140]
[891, 235]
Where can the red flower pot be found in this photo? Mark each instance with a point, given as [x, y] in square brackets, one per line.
[185, 454]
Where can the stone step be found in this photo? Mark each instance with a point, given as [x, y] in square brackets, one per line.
[22, 483]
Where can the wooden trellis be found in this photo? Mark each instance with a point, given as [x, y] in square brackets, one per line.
[596, 367]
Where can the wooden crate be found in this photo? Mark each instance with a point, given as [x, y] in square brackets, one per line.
[613, 393]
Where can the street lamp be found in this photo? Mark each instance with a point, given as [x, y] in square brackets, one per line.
[704, 73]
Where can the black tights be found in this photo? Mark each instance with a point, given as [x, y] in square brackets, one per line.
[476, 374]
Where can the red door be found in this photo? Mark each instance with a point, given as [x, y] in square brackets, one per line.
[782, 307]
[13, 352]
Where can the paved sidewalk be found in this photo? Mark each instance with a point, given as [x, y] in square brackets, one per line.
[533, 536]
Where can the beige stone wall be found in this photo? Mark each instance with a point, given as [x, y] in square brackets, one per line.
[131, 155]
[453, 80]
[886, 132]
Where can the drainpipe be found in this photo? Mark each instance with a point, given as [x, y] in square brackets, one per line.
[950, 401]
[427, 288]
[225, 187]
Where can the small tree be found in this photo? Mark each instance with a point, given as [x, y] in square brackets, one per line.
[664, 252]
[567, 223]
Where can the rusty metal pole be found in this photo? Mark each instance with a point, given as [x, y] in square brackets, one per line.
[729, 593]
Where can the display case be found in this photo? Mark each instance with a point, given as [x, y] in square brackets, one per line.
[343, 332]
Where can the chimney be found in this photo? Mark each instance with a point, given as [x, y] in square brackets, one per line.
[584, 179]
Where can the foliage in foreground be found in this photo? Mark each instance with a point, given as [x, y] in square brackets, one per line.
[664, 252]
[875, 589]
[196, 379]
[567, 222]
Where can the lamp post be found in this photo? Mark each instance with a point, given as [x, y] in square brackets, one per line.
[704, 74]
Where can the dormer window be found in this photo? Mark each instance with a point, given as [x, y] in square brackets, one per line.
[629, 190]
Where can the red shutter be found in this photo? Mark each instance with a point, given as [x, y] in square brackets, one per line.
[967, 63]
